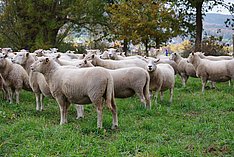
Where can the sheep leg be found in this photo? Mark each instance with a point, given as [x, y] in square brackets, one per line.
[203, 84]
[161, 95]
[63, 105]
[229, 83]
[114, 114]
[9, 93]
[213, 84]
[79, 111]
[148, 102]
[17, 96]
[156, 97]
[171, 95]
[142, 98]
[37, 95]
[184, 79]
[41, 101]
[99, 108]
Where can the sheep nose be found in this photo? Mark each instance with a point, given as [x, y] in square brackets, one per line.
[150, 67]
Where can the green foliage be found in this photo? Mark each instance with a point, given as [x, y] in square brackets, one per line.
[213, 46]
[144, 20]
[193, 11]
[40, 24]
[196, 125]
[63, 47]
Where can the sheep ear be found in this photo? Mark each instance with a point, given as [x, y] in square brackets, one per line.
[93, 56]
[27, 54]
[5, 56]
[83, 54]
[47, 60]
[85, 61]
[192, 53]
[175, 54]
[157, 60]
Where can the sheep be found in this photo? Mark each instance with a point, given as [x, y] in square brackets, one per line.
[15, 76]
[114, 56]
[73, 62]
[75, 56]
[161, 78]
[114, 64]
[39, 52]
[217, 71]
[128, 81]
[214, 58]
[3, 87]
[78, 86]
[37, 81]
[185, 69]
[163, 61]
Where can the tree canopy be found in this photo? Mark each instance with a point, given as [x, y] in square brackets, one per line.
[42, 24]
[33, 24]
[144, 21]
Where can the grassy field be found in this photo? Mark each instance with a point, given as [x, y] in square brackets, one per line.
[196, 125]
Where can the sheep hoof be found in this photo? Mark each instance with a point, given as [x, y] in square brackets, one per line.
[114, 127]
[207, 87]
[80, 117]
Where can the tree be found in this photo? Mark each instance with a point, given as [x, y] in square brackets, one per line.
[143, 21]
[195, 10]
[42, 24]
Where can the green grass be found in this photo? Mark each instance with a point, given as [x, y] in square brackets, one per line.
[196, 125]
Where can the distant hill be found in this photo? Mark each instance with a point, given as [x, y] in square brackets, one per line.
[214, 25]
[218, 19]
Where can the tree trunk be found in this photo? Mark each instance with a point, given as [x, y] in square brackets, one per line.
[125, 47]
[199, 25]
[233, 44]
[157, 43]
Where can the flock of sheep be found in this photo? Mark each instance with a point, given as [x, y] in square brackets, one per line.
[96, 78]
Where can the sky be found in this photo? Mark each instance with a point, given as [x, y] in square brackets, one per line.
[221, 10]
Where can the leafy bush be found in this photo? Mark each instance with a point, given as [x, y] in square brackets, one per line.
[213, 46]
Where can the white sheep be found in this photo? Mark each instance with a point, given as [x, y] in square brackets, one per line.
[216, 71]
[62, 62]
[3, 87]
[214, 58]
[185, 69]
[37, 81]
[129, 81]
[163, 61]
[78, 86]
[161, 78]
[114, 64]
[15, 76]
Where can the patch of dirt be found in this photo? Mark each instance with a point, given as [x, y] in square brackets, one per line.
[192, 114]
[214, 149]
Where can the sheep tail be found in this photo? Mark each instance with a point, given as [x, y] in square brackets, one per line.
[110, 93]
